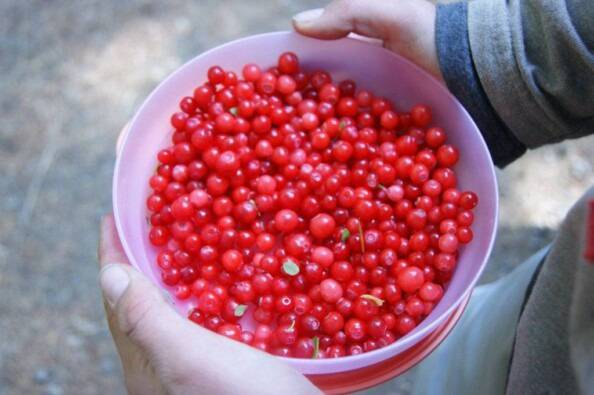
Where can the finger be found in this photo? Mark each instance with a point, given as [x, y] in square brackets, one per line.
[137, 310]
[342, 17]
[110, 247]
[187, 357]
[140, 310]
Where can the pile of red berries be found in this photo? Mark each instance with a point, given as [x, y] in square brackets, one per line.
[328, 216]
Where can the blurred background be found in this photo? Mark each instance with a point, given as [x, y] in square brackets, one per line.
[71, 74]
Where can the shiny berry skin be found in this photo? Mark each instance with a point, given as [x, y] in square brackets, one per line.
[308, 206]
[410, 279]
[434, 137]
[331, 290]
[332, 323]
[298, 245]
[288, 63]
[216, 75]
[377, 327]
[209, 303]
[304, 348]
[227, 163]
[323, 256]
[431, 292]
[447, 156]
[468, 200]
[232, 260]
[448, 243]
[464, 235]
[355, 329]
[158, 236]
[243, 291]
[420, 115]
[286, 335]
[322, 226]
[230, 331]
[286, 220]
[444, 262]
[251, 72]
[365, 309]
[286, 85]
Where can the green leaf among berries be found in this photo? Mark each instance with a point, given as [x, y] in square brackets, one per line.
[290, 268]
[240, 310]
[374, 299]
[316, 350]
[344, 235]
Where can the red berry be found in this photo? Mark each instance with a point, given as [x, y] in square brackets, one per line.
[251, 72]
[447, 156]
[431, 292]
[323, 256]
[286, 220]
[421, 115]
[322, 226]
[448, 243]
[410, 279]
[216, 75]
[468, 200]
[332, 323]
[232, 260]
[288, 63]
[355, 329]
[318, 208]
[377, 327]
[331, 290]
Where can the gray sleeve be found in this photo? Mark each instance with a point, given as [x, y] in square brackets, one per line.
[535, 63]
[459, 73]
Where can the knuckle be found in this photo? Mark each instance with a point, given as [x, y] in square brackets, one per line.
[352, 7]
[342, 6]
[348, 10]
[136, 315]
[180, 378]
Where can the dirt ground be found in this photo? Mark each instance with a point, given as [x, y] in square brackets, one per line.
[71, 74]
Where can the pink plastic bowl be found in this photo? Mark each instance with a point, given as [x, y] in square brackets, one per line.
[373, 68]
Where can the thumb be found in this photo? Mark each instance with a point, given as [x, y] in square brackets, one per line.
[342, 17]
[406, 27]
[140, 310]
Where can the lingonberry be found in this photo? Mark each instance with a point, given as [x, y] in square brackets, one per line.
[314, 207]
[410, 279]
[331, 290]
[322, 226]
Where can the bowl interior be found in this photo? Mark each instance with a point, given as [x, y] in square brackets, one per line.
[373, 68]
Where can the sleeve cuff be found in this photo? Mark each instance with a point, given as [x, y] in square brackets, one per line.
[457, 67]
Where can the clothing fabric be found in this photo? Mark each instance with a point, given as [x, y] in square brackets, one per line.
[524, 69]
[458, 70]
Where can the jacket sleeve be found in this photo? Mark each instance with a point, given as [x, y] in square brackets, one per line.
[524, 69]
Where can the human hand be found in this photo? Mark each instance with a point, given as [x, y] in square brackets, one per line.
[406, 27]
[164, 353]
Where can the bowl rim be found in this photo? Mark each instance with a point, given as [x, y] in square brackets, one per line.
[304, 365]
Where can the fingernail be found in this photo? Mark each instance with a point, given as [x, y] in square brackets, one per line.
[308, 16]
[114, 280]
